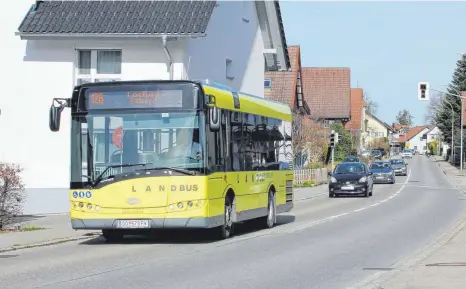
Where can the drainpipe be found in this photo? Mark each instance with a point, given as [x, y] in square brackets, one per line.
[164, 42]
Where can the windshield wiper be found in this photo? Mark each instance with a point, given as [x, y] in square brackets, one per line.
[100, 177]
[183, 171]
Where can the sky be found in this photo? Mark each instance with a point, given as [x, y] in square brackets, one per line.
[389, 46]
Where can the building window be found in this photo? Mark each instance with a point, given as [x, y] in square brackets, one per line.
[229, 69]
[98, 66]
[267, 83]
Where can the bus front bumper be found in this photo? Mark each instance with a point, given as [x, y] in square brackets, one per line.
[157, 223]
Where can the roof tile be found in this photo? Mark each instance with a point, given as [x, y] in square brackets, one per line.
[327, 91]
[284, 82]
[118, 17]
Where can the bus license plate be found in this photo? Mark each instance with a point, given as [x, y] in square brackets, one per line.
[133, 224]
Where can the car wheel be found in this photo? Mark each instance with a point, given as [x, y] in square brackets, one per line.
[330, 195]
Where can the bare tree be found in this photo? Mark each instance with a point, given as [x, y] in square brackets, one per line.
[434, 103]
[12, 193]
[371, 105]
[310, 138]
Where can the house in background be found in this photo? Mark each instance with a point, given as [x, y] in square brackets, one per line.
[356, 124]
[286, 87]
[60, 44]
[414, 139]
[328, 93]
[374, 130]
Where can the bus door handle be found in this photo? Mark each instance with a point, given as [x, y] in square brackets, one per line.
[237, 178]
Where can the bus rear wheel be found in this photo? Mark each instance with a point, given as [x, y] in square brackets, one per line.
[271, 217]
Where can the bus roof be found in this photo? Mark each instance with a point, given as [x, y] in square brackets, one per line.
[248, 103]
[223, 95]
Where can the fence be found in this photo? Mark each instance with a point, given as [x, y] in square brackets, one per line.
[317, 176]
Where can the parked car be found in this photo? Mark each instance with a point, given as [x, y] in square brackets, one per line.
[377, 154]
[382, 172]
[407, 153]
[350, 178]
[366, 154]
[351, 159]
[399, 166]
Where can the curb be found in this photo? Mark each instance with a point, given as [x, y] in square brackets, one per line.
[450, 180]
[48, 243]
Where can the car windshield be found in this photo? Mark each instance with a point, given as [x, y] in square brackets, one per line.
[350, 168]
[376, 152]
[380, 165]
[407, 151]
[397, 162]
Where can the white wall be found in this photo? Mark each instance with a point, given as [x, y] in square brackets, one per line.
[40, 70]
[416, 141]
[238, 40]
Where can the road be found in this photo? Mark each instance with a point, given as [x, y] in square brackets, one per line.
[323, 243]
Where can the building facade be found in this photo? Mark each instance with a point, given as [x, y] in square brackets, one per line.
[60, 44]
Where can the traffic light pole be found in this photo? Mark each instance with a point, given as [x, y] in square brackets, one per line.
[333, 156]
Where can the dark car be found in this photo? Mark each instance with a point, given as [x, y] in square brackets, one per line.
[351, 159]
[382, 172]
[377, 154]
[399, 166]
[350, 179]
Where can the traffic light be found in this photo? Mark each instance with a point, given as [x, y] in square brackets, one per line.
[332, 139]
[339, 139]
[423, 91]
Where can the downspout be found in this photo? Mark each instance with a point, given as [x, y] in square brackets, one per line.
[170, 60]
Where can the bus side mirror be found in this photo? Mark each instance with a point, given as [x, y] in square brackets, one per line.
[214, 119]
[55, 113]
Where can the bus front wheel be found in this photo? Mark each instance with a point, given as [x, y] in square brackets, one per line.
[226, 230]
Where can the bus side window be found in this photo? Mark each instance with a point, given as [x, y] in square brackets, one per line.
[237, 155]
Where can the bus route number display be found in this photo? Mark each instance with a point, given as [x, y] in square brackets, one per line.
[134, 99]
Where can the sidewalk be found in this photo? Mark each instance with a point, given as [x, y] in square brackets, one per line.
[301, 194]
[453, 173]
[58, 228]
[443, 264]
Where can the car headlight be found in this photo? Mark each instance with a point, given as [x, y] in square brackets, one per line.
[363, 180]
[333, 180]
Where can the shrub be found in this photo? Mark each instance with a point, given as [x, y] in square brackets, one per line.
[12, 193]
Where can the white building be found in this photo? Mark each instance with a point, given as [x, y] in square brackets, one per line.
[415, 138]
[60, 44]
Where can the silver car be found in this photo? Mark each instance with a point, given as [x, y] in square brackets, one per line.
[399, 166]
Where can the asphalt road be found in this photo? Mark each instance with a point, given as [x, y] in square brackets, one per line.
[323, 243]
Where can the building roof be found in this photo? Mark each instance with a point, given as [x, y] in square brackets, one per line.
[327, 92]
[118, 17]
[411, 133]
[357, 105]
[283, 83]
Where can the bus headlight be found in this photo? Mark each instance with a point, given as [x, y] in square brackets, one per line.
[190, 204]
[180, 205]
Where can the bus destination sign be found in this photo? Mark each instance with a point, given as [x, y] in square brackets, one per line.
[118, 99]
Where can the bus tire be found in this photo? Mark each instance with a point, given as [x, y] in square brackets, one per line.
[112, 235]
[271, 211]
[226, 230]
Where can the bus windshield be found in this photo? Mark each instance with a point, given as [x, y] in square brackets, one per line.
[104, 141]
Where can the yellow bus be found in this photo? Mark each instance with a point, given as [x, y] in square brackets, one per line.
[173, 154]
